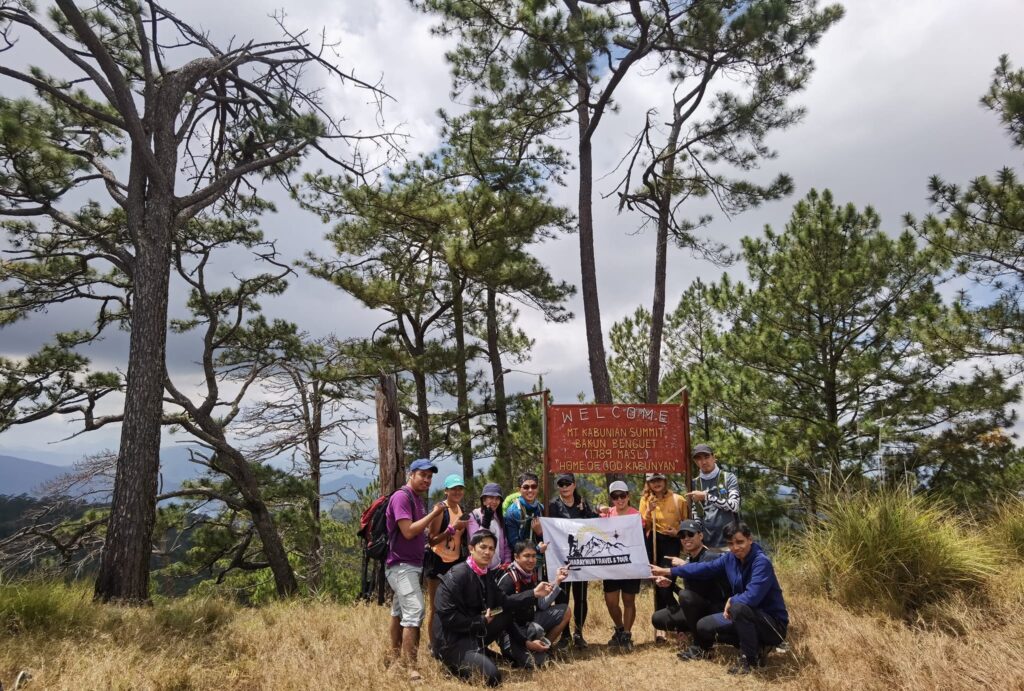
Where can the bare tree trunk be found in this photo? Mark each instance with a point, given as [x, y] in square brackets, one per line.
[504, 458]
[390, 447]
[462, 388]
[124, 567]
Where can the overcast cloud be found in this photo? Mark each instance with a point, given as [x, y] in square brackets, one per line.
[894, 99]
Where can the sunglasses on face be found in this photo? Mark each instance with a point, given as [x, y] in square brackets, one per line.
[619, 495]
[528, 487]
[689, 534]
[565, 483]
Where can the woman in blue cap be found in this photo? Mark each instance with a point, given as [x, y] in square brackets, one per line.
[445, 540]
[488, 517]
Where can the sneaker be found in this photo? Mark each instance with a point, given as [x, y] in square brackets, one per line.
[578, 641]
[743, 666]
[694, 652]
[626, 640]
[616, 638]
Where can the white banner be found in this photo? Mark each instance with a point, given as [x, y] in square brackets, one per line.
[596, 549]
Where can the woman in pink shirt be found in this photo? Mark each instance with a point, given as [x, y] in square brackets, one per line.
[623, 616]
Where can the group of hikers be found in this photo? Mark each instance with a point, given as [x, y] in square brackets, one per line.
[484, 585]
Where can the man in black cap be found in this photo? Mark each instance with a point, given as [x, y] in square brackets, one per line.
[570, 504]
[698, 598]
[715, 498]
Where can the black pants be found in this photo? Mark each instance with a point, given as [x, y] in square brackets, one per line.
[750, 630]
[466, 656]
[667, 547]
[684, 616]
[579, 605]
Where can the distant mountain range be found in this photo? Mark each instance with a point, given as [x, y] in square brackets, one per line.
[24, 476]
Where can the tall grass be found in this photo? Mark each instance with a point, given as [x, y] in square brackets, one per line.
[895, 553]
[1006, 528]
[45, 608]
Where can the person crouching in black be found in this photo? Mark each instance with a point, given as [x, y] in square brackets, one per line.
[698, 598]
[472, 612]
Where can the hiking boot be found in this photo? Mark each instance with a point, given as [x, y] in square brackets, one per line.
[578, 641]
[743, 666]
[694, 652]
[616, 638]
[626, 640]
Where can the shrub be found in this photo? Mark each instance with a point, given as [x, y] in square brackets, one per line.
[46, 607]
[1007, 527]
[896, 553]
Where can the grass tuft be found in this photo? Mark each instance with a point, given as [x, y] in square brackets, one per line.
[46, 608]
[1006, 528]
[896, 554]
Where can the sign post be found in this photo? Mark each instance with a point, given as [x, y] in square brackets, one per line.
[616, 438]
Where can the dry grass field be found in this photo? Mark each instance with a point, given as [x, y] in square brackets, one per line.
[193, 644]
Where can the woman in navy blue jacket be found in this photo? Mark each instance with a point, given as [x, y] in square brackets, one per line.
[754, 617]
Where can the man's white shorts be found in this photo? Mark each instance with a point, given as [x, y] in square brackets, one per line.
[407, 603]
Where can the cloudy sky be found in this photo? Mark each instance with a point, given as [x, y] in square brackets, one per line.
[894, 99]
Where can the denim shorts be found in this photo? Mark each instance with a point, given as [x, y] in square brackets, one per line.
[407, 602]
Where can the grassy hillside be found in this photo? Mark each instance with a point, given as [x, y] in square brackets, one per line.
[66, 642]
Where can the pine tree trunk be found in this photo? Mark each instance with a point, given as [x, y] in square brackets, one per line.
[124, 566]
[462, 387]
[504, 459]
[661, 266]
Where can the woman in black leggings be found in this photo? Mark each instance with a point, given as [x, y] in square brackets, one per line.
[570, 504]
[471, 612]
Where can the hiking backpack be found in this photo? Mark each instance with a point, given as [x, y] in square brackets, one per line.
[373, 527]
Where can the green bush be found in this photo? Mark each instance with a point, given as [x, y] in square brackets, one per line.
[1007, 527]
[53, 608]
[896, 553]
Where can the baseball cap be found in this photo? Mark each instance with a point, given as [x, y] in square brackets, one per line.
[689, 526]
[618, 486]
[422, 464]
[703, 448]
[655, 476]
[492, 489]
[454, 480]
[565, 476]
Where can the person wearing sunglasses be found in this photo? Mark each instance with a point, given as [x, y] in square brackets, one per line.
[570, 504]
[661, 510]
[522, 516]
[699, 597]
[622, 616]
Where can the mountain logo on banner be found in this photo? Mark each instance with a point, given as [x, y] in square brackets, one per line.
[593, 547]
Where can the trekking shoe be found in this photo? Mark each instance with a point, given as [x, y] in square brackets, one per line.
[626, 640]
[616, 638]
[562, 646]
[743, 666]
[694, 652]
[578, 641]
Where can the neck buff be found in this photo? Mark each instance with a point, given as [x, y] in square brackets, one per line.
[476, 569]
[712, 475]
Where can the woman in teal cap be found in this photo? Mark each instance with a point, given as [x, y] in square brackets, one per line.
[445, 540]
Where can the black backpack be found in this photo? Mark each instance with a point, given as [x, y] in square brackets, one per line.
[373, 526]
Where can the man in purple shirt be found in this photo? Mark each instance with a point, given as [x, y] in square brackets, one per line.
[407, 521]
